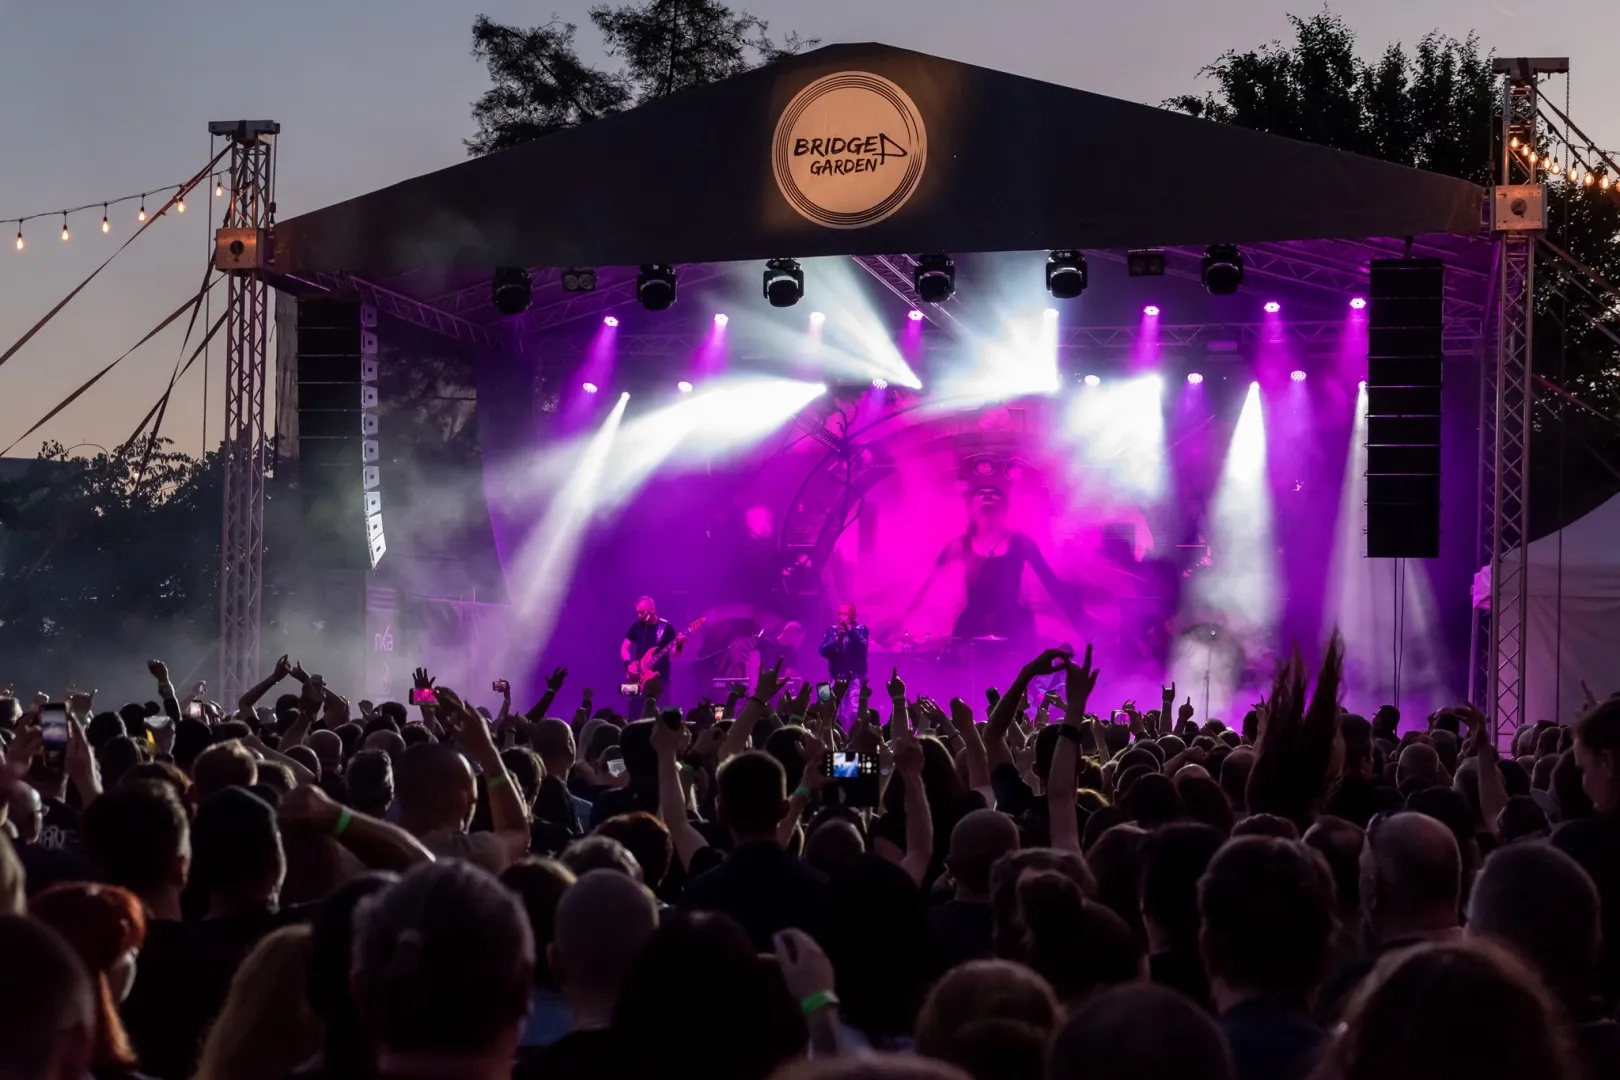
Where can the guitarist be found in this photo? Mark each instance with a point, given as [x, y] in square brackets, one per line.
[646, 633]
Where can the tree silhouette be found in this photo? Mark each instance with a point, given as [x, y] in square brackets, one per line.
[541, 85]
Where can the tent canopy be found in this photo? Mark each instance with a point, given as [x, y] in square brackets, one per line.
[865, 149]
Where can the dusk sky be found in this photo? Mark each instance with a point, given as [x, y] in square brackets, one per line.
[101, 99]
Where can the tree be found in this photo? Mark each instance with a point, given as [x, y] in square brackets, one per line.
[541, 85]
[1431, 110]
[1435, 109]
[97, 569]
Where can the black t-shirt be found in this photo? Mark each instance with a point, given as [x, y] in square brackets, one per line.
[643, 637]
[1594, 842]
[579, 1055]
[58, 826]
[181, 978]
[760, 885]
[962, 930]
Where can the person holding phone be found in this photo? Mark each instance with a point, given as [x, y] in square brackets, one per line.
[845, 644]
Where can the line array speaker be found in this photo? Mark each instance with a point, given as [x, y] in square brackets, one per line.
[1405, 309]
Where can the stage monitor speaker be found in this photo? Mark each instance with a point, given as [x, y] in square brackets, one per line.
[338, 447]
[1405, 362]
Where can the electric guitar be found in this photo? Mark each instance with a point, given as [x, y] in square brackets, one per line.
[645, 670]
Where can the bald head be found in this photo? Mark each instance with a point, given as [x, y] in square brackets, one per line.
[1538, 902]
[389, 742]
[553, 740]
[434, 787]
[328, 747]
[979, 839]
[1419, 762]
[603, 921]
[1411, 875]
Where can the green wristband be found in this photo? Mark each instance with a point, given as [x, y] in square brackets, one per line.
[824, 999]
[802, 790]
[493, 782]
[345, 819]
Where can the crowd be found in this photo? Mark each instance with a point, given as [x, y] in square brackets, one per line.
[254, 892]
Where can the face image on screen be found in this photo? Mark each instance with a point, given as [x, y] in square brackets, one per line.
[846, 766]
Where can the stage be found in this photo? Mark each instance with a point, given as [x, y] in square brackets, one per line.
[1170, 474]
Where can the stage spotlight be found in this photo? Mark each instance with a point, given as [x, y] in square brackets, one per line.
[1152, 310]
[914, 315]
[589, 388]
[1050, 313]
[784, 282]
[1357, 303]
[720, 318]
[934, 278]
[684, 387]
[817, 318]
[610, 320]
[655, 286]
[1194, 377]
[1145, 262]
[1066, 274]
[510, 290]
[580, 279]
[1093, 380]
[880, 383]
[625, 396]
[1222, 269]
[1272, 307]
[1297, 375]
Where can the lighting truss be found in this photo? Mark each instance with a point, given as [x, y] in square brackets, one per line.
[407, 309]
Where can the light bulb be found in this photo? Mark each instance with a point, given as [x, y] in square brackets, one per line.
[142, 215]
[65, 234]
[106, 226]
[1532, 157]
[1587, 179]
[219, 189]
[19, 238]
[1514, 142]
[180, 205]
[1604, 183]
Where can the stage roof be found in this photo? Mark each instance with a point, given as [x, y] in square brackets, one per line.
[865, 149]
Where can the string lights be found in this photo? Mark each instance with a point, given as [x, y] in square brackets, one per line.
[219, 188]
[138, 197]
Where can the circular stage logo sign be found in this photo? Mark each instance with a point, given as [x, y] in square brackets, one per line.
[850, 150]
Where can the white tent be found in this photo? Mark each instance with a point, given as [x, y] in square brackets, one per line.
[1572, 621]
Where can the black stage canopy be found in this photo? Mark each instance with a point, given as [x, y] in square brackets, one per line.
[867, 150]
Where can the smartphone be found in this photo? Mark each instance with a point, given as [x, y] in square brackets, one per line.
[160, 720]
[824, 692]
[501, 686]
[719, 713]
[202, 688]
[424, 696]
[615, 766]
[193, 710]
[53, 722]
[854, 779]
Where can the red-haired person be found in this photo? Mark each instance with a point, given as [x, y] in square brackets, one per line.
[106, 926]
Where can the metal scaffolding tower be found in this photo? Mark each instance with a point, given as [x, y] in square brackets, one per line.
[1506, 400]
[246, 227]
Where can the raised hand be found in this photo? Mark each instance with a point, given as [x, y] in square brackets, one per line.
[419, 679]
[1047, 662]
[159, 670]
[554, 681]
[79, 702]
[283, 668]
[1185, 713]
[770, 681]
[21, 750]
[896, 686]
[1079, 680]
[840, 688]
[961, 713]
[805, 968]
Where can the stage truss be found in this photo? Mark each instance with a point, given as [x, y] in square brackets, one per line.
[1507, 399]
[241, 550]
